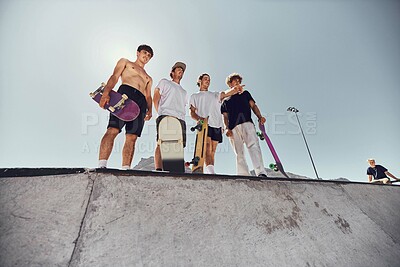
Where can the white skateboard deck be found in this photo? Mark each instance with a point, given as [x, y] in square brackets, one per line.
[170, 140]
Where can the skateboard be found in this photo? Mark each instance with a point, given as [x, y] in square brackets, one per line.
[120, 105]
[200, 146]
[170, 140]
[277, 166]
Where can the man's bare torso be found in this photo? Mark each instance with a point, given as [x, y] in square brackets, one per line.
[135, 76]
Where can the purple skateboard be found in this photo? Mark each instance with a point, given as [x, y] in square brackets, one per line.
[278, 165]
[120, 105]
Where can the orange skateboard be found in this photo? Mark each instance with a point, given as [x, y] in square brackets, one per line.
[200, 146]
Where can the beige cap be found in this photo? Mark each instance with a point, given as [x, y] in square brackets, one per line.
[179, 65]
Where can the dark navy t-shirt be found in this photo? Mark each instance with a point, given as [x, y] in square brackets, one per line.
[238, 109]
[378, 172]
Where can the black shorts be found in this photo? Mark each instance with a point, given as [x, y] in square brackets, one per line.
[135, 126]
[215, 134]
[183, 123]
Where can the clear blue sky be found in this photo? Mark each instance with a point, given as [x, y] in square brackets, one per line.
[338, 62]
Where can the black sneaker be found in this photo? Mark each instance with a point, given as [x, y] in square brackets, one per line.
[262, 175]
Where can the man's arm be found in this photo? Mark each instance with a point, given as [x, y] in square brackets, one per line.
[193, 114]
[257, 112]
[229, 132]
[112, 81]
[149, 100]
[231, 91]
[369, 178]
[156, 98]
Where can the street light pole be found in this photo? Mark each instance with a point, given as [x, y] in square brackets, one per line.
[295, 110]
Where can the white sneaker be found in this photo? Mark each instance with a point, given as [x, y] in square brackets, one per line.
[210, 169]
[102, 164]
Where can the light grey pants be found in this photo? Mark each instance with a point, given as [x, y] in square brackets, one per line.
[245, 134]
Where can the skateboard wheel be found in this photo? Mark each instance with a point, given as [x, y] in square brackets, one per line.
[260, 135]
[272, 166]
[112, 109]
[124, 96]
[197, 127]
[198, 170]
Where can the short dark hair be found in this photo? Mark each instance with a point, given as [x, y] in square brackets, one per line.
[145, 48]
[232, 76]
[201, 78]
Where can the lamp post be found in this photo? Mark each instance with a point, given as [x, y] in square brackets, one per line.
[295, 110]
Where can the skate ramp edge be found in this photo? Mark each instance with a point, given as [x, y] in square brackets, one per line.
[83, 217]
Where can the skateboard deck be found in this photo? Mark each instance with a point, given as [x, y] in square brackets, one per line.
[170, 140]
[277, 166]
[120, 105]
[200, 146]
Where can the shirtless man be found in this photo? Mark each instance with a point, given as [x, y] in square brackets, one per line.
[136, 84]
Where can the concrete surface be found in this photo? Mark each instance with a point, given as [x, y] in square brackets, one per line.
[133, 218]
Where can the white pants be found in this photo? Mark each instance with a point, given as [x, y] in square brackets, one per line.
[245, 133]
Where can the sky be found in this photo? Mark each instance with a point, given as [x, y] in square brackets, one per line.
[338, 62]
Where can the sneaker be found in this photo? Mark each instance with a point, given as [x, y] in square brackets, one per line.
[262, 175]
[209, 169]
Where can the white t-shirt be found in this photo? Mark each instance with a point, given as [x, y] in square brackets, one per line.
[173, 99]
[208, 104]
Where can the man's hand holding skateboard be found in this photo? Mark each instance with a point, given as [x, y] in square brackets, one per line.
[119, 105]
[104, 100]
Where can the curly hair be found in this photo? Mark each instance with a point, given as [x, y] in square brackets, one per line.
[232, 76]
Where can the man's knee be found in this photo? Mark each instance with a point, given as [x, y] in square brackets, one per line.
[251, 141]
[252, 145]
[112, 132]
[214, 146]
[131, 138]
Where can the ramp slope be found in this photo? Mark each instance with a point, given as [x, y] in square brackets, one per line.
[154, 219]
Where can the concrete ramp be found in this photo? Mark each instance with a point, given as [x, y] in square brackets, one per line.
[134, 218]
